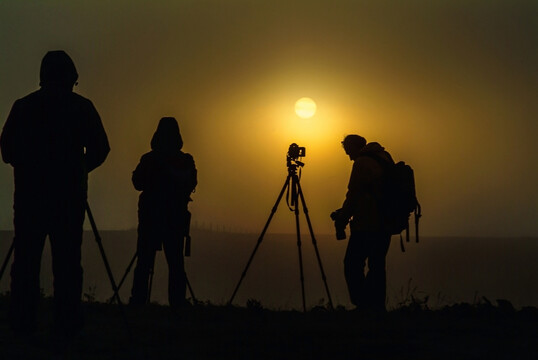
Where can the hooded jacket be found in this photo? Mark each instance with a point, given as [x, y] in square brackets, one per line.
[167, 177]
[53, 137]
[360, 203]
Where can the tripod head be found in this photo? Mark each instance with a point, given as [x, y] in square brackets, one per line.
[295, 152]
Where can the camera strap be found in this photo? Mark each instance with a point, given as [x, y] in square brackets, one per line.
[292, 204]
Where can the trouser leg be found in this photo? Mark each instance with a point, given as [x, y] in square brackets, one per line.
[173, 250]
[66, 242]
[354, 263]
[144, 264]
[376, 279]
[25, 290]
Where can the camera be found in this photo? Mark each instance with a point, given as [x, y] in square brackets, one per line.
[295, 151]
[340, 224]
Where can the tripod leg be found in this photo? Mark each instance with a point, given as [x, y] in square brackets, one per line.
[295, 183]
[110, 276]
[103, 255]
[314, 243]
[127, 271]
[151, 272]
[8, 256]
[273, 210]
[194, 300]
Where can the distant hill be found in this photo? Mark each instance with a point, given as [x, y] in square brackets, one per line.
[447, 270]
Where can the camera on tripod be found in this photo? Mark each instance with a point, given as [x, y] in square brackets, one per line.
[294, 197]
[294, 153]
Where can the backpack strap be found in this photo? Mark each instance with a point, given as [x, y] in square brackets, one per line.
[418, 214]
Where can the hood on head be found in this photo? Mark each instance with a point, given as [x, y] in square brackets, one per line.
[167, 137]
[57, 70]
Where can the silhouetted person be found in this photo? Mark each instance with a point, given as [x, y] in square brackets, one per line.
[53, 138]
[369, 240]
[167, 177]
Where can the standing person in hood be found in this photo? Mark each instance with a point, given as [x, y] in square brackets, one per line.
[369, 240]
[53, 138]
[167, 177]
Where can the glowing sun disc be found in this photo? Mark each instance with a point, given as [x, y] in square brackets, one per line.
[305, 107]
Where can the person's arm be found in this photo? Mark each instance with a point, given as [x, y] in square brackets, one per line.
[141, 173]
[186, 176]
[8, 139]
[97, 146]
[352, 195]
[191, 176]
[360, 181]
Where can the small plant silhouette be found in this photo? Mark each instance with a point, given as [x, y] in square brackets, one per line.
[253, 304]
[411, 298]
[90, 295]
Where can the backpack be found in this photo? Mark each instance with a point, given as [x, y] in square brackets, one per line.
[397, 197]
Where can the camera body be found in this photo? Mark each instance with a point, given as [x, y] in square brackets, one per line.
[340, 224]
[295, 151]
[292, 157]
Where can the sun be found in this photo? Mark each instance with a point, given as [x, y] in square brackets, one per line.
[305, 107]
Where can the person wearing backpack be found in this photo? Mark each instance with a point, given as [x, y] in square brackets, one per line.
[369, 239]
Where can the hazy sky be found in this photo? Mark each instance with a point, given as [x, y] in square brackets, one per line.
[450, 87]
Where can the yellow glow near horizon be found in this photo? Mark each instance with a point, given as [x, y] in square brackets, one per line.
[316, 132]
[305, 107]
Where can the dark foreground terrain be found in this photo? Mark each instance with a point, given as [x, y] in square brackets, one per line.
[463, 331]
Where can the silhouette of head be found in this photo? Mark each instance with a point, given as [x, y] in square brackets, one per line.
[167, 138]
[57, 70]
[353, 144]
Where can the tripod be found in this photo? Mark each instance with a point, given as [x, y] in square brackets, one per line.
[105, 261]
[187, 236]
[128, 269]
[110, 276]
[6, 260]
[293, 186]
[99, 244]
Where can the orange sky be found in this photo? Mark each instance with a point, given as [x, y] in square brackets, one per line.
[450, 87]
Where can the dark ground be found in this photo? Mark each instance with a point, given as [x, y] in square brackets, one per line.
[462, 331]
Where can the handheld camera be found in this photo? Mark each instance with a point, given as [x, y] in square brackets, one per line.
[340, 224]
